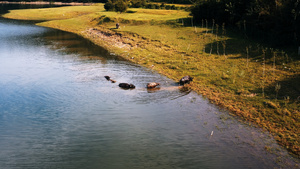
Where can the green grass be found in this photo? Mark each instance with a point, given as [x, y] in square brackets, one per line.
[53, 13]
[140, 14]
[240, 81]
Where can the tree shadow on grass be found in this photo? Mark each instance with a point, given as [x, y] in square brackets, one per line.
[239, 45]
[239, 40]
[289, 89]
[229, 47]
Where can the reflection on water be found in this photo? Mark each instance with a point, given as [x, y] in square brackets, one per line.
[58, 111]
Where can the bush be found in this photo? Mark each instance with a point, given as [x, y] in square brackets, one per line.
[137, 3]
[168, 7]
[118, 6]
[109, 6]
[121, 6]
[150, 6]
[157, 6]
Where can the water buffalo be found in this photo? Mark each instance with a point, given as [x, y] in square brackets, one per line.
[152, 85]
[109, 79]
[186, 79]
[126, 86]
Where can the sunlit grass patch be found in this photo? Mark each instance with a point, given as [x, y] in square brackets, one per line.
[53, 13]
[146, 15]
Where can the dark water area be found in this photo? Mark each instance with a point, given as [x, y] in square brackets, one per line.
[58, 111]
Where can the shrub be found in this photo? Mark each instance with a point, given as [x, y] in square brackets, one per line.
[109, 6]
[121, 6]
[150, 6]
[118, 6]
[162, 6]
[137, 3]
[157, 6]
[168, 7]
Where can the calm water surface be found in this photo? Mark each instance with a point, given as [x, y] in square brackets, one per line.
[57, 111]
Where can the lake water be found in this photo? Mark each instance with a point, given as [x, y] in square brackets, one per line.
[58, 111]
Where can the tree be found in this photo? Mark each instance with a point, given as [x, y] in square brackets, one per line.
[275, 21]
[109, 6]
[121, 6]
[118, 6]
[137, 3]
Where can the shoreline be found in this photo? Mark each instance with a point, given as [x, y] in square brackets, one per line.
[115, 42]
[135, 47]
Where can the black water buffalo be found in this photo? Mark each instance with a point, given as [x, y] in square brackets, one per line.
[186, 79]
[109, 79]
[126, 86]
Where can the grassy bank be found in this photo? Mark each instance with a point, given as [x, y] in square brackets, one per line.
[259, 84]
